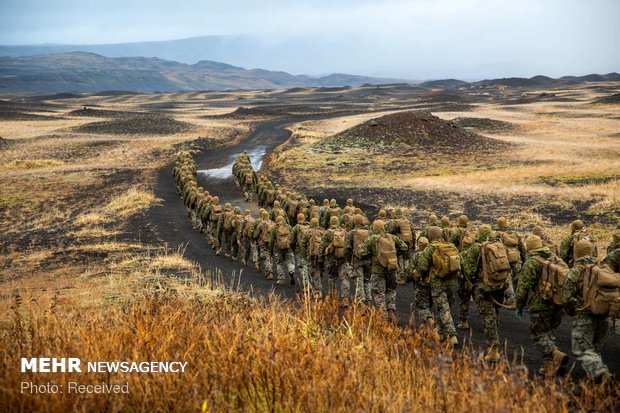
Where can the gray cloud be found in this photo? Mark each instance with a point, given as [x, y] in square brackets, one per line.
[416, 39]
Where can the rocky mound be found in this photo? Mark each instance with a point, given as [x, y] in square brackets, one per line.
[101, 113]
[609, 100]
[14, 111]
[137, 125]
[414, 130]
[484, 124]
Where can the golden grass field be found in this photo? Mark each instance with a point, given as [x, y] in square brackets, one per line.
[77, 279]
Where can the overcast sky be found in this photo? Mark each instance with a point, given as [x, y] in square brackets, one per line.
[414, 39]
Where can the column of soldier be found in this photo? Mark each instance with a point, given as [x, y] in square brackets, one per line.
[494, 268]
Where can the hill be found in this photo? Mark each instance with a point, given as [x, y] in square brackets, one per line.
[89, 72]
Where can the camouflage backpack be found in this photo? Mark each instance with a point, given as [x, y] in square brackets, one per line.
[511, 241]
[386, 252]
[495, 264]
[446, 260]
[552, 278]
[216, 211]
[228, 218]
[359, 237]
[338, 237]
[405, 232]
[266, 227]
[283, 237]
[601, 290]
[314, 243]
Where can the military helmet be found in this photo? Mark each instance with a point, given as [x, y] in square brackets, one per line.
[281, 213]
[378, 225]
[349, 202]
[432, 219]
[260, 211]
[577, 225]
[237, 210]
[311, 202]
[201, 189]
[382, 214]
[463, 220]
[422, 243]
[334, 221]
[434, 233]
[301, 217]
[215, 199]
[326, 202]
[248, 213]
[314, 222]
[265, 215]
[333, 203]
[502, 223]
[445, 221]
[533, 242]
[538, 231]
[276, 204]
[484, 229]
[227, 206]
[357, 211]
[398, 212]
[583, 248]
[358, 219]
[392, 213]
[279, 219]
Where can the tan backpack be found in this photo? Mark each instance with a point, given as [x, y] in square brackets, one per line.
[495, 264]
[338, 237]
[283, 237]
[601, 290]
[405, 232]
[511, 241]
[302, 230]
[359, 236]
[216, 211]
[583, 234]
[228, 217]
[266, 228]
[386, 252]
[249, 178]
[334, 212]
[246, 227]
[314, 243]
[238, 221]
[292, 209]
[467, 238]
[314, 212]
[446, 260]
[552, 278]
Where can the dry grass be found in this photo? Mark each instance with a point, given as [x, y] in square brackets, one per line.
[129, 203]
[31, 164]
[265, 355]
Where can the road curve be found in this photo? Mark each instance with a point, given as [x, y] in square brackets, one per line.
[173, 227]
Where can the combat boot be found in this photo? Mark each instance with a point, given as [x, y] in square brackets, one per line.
[463, 325]
[560, 360]
[492, 356]
[400, 280]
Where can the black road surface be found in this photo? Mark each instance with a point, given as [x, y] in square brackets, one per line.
[174, 227]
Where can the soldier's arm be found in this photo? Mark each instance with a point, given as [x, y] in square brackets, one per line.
[294, 232]
[522, 250]
[565, 251]
[220, 224]
[325, 241]
[470, 264]
[527, 279]
[425, 260]
[272, 238]
[348, 244]
[366, 248]
[401, 246]
[613, 260]
[569, 289]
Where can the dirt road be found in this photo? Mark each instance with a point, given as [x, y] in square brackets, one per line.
[173, 227]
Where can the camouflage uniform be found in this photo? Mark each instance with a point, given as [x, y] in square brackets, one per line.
[382, 281]
[283, 256]
[315, 262]
[264, 254]
[224, 230]
[394, 227]
[360, 268]
[566, 246]
[244, 240]
[545, 316]
[589, 330]
[301, 255]
[234, 236]
[442, 290]
[485, 296]
[515, 267]
[613, 256]
[423, 297]
[335, 267]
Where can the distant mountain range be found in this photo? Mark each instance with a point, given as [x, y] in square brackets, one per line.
[89, 72]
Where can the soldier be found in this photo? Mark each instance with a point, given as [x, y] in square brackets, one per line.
[463, 238]
[237, 221]
[432, 221]
[488, 288]
[589, 330]
[423, 297]
[547, 242]
[312, 211]
[311, 244]
[301, 257]
[383, 250]
[446, 230]
[382, 215]
[224, 230]
[244, 240]
[334, 211]
[566, 247]
[280, 245]
[323, 210]
[613, 251]
[254, 234]
[276, 211]
[262, 234]
[403, 228]
[334, 261]
[360, 268]
[516, 254]
[441, 263]
[545, 315]
[213, 216]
